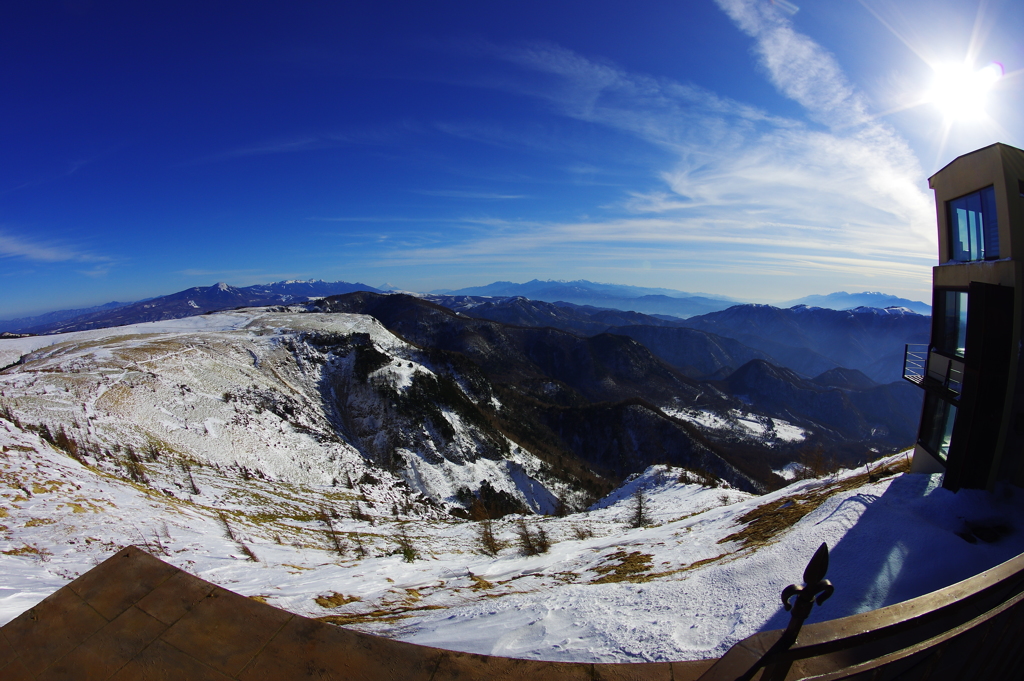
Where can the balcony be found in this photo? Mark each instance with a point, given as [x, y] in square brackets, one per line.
[933, 371]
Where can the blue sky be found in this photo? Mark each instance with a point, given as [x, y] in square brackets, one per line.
[732, 146]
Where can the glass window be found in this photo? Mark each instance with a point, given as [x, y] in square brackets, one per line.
[974, 229]
[952, 314]
[937, 425]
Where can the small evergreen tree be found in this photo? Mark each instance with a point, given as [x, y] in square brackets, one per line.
[639, 516]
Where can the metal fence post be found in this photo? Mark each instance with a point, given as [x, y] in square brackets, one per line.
[816, 589]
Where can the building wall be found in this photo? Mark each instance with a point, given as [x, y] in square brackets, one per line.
[1001, 167]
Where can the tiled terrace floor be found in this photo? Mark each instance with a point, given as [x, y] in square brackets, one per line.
[136, 617]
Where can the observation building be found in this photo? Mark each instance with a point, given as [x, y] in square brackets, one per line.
[972, 422]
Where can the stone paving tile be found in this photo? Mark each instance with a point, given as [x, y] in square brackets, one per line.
[161, 662]
[307, 649]
[657, 671]
[109, 649]
[182, 628]
[15, 671]
[226, 630]
[175, 597]
[51, 629]
[6, 651]
[135, 573]
[466, 666]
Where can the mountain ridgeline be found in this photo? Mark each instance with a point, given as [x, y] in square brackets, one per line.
[548, 403]
[187, 303]
[619, 397]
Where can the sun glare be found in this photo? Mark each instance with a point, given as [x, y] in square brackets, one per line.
[960, 92]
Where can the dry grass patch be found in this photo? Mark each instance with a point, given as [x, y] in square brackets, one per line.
[631, 567]
[36, 522]
[335, 600]
[28, 550]
[479, 583]
[392, 615]
[764, 523]
[704, 561]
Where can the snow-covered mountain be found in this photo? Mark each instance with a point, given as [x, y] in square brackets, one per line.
[51, 318]
[187, 303]
[813, 340]
[296, 398]
[615, 296]
[842, 300]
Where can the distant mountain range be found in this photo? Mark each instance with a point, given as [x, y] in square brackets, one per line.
[812, 340]
[187, 303]
[606, 395]
[594, 388]
[808, 340]
[53, 318]
[581, 292]
[663, 303]
[847, 301]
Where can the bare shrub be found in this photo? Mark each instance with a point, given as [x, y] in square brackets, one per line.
[325, 517]
[191, 481]
[487, 543]
[230, 534]
[405, 546]
[817, 464]
[582, 531]
[531, 542]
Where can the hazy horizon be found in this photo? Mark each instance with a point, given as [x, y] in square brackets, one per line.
[384, 285]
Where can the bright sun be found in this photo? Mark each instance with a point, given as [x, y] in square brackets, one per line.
[960, 92]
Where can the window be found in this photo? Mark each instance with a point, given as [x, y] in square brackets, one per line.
[952, 326]
[974, 230]
[937, 426]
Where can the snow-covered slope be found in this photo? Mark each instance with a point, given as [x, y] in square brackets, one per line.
[705, 572]
[248, 448]
[297, 397]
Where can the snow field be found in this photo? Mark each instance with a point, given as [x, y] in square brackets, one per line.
[670, 591]
[232, 458]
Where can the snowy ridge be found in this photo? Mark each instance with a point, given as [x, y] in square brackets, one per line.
[743, 425]
[247, 390]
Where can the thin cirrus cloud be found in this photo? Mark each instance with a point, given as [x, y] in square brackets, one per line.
[380, 135]
[839, 181]
[459, 194]
[20, 247]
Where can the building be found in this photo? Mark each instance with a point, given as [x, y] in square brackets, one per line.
[972, 423]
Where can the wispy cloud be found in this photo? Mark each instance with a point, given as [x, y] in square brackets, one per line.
[458, 194]
[242, 277]
[384, 134]
[373, 218]
[52, 251]
[774, 194]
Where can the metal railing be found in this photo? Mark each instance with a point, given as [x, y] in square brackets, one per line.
[915, 362]
[970, 630]
[933, 370]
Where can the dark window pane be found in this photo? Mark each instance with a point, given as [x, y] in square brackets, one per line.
[937, 426]
[988, 210]
[974, 230]
[953, 320]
